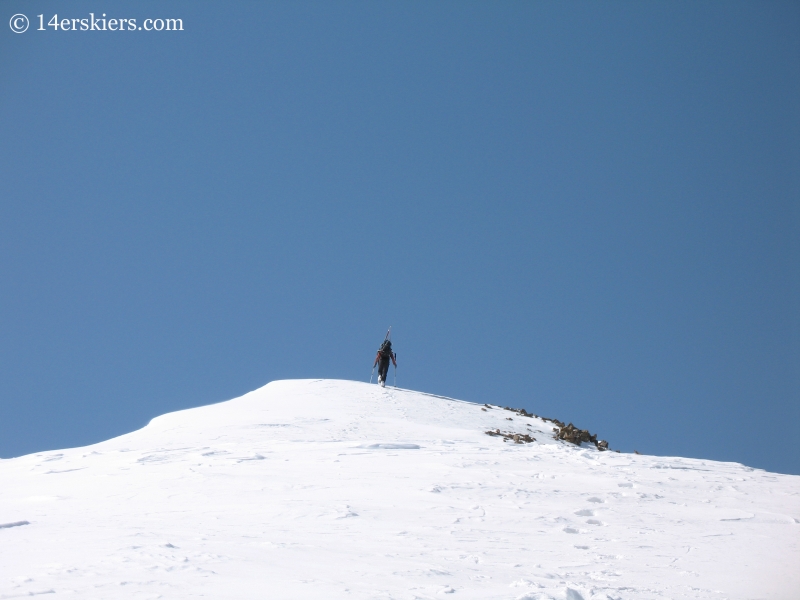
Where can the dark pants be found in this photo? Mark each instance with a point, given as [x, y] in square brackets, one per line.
[383, 368]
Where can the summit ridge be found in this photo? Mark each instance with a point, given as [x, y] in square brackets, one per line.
[340, 489]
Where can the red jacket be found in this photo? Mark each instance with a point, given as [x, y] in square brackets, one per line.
[393, 356]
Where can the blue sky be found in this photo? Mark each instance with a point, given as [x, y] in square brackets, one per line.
[590, 210]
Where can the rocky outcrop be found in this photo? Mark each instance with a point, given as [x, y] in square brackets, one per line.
[572, 434]
[517, 438]
[568, 433]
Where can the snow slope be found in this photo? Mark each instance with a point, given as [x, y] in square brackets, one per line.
[337, 489]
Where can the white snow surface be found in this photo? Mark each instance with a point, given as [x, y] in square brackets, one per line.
[338, 489]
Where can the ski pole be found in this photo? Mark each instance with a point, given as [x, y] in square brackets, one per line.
[371, 374]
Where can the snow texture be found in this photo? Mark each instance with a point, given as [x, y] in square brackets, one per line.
[337, 489]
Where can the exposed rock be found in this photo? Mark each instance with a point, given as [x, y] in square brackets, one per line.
[517, 438]
[572, 434]
[568, 433]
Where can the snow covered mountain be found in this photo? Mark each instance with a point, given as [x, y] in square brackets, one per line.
[338, 489]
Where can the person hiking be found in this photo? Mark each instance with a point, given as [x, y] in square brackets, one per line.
[383, 357]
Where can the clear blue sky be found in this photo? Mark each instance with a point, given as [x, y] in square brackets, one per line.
[590, 210]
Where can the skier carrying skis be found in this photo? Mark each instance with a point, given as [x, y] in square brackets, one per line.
[383, 357]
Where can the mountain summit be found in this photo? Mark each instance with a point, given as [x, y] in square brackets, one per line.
[338, 489]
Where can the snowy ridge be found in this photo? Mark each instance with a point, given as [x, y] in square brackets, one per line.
[338, 489]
